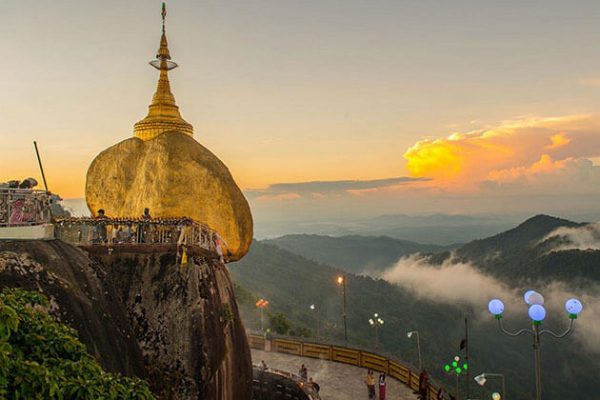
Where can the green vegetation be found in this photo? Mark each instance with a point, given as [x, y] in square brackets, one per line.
[279, 323]
[42, 359]
[292, 283]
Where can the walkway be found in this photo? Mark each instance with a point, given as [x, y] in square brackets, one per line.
[338, 381]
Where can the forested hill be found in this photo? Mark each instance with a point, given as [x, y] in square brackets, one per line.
[526, 254]
[353, 253]
[518, 255]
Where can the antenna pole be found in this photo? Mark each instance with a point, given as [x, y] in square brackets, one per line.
[37, 154]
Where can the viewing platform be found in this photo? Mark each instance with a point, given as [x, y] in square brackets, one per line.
[26, 214]
[140, 235]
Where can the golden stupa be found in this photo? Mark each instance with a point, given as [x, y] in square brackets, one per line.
[164, 169]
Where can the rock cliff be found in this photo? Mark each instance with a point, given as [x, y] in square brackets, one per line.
[142, 314]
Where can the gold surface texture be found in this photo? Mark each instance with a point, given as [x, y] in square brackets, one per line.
[163, 168]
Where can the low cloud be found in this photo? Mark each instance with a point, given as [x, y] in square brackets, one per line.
[586, 237]
[447, 283]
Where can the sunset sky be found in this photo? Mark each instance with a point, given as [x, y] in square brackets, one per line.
[323, 107]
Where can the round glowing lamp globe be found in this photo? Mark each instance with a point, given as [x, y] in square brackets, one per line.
[537, 313]
[526, 296]
[573, 307]
[496, 307]
[535, 298]
[496, 396]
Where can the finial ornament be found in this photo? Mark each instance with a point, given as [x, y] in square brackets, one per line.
[164, 15]
[163, 114]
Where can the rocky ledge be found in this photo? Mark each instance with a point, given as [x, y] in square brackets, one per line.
[143, 314]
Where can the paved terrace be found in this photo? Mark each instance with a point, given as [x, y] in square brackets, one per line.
[338, 381]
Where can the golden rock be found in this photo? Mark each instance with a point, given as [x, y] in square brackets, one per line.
[166, 170]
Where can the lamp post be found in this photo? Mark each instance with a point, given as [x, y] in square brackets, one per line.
[316, 310]
[261, 304]
[537, 313]
[376, 322]
[457, 369]
[416, 333]
[341, 280]
[482, 379]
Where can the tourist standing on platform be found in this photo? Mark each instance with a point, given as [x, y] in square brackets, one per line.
[382, 386]
[101, 235]
[370, 381]
[423, 385]
[303, 372]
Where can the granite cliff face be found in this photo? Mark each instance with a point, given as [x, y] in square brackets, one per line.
[142, 314]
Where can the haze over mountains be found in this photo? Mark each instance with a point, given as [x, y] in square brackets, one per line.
[433, 292]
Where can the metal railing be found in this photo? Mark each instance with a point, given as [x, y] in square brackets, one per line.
[114, 232]
[24, 207]
[359, 358]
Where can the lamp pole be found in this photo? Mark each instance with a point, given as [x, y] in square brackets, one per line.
[316, 310]
[416, 333]
[341, 280]
[376, 322]
[482, 379]
[537, 313]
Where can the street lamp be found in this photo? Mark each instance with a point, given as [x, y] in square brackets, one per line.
[314, 308]
[482, 379]
[537, 314]
[376, 322]
[416, 333]
[456, 368]
[261, 304]
[341, 280]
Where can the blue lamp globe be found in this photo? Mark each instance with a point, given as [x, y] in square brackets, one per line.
[573, 306]
[496, 307]
[537, 313]
[526, 296]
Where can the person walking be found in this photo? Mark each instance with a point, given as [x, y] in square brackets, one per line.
[370, 382]
[382, 386]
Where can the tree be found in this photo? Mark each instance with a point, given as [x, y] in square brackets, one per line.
[279, 323]
[42, 359]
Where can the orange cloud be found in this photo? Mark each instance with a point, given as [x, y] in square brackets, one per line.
[558, 140]
[519, 149]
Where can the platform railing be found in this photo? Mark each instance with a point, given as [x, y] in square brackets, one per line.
[359, 358]
[113, 232]
[24, 207]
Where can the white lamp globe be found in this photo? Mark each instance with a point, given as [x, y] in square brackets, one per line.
[496, 396]
[573, 306]
[535, 298]
[526, 296]
[496, 307]
[537, 313]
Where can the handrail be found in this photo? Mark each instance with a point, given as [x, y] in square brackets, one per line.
[24, 207]
[344, 355]
[112, 232]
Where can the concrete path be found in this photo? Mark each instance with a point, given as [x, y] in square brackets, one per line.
[338, 381]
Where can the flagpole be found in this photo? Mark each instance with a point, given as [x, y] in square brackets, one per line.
[467, 357]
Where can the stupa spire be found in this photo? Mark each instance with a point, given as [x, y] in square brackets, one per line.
[163, 113]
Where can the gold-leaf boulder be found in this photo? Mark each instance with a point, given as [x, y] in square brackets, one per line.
[173, 175]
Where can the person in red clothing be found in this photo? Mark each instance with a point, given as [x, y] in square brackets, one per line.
[382, 386]
[423, 385]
